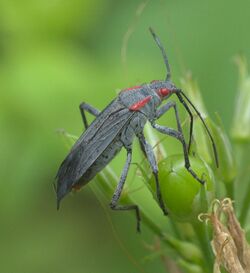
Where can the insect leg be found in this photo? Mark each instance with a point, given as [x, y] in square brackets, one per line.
[148, 151]
[170, 104]
[114, 202]
[191, 119]
[87, 107]
[177, 134]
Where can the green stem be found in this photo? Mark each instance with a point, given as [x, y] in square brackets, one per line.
[230, 189]
[245, 207]
[242, 184]
[151, 225]
[175, 229]
[204, 242]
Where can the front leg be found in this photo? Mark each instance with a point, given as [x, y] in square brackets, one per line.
[170, 104]
[87, 107]
[176, 134]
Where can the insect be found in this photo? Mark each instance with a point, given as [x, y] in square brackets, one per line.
[116, 127]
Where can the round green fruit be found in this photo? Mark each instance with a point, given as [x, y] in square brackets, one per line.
[182, 194]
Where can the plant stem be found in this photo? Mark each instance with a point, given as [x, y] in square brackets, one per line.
[230, 189]
[245, 208]
[242, 186]
[203, 238]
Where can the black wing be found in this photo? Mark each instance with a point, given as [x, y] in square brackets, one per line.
[90, 145]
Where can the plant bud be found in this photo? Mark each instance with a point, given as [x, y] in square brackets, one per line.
[200, 138]
[241, 123]
[187, 250]
[189, 267]
[227, 164]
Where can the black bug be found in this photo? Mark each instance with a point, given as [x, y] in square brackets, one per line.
[116, 126]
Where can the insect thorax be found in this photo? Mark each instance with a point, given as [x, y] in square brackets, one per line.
[130, 97]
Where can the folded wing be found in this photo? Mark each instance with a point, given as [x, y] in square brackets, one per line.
[90, 146]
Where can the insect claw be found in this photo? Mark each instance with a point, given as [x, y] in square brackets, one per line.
[165, 212]
[201, 181]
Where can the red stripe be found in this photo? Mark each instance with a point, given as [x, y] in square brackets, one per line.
[138, 105]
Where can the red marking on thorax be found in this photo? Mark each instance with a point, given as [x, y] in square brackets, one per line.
[138, 105]
[163, 92]
[132, 88]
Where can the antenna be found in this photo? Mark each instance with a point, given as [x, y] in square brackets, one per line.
[158, 42]
[205, 125]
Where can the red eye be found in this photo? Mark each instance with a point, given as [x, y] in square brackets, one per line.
[163, 92]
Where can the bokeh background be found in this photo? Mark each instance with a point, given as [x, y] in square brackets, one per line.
[55, 54]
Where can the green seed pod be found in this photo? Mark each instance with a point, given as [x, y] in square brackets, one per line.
[227, 166]
[241, 123]
[183, 195]
[201, 141]
[202, 144]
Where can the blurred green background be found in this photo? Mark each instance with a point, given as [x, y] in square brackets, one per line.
[55, 54]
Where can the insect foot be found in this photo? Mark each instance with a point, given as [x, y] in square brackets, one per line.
[200, 180]
[113, 205]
